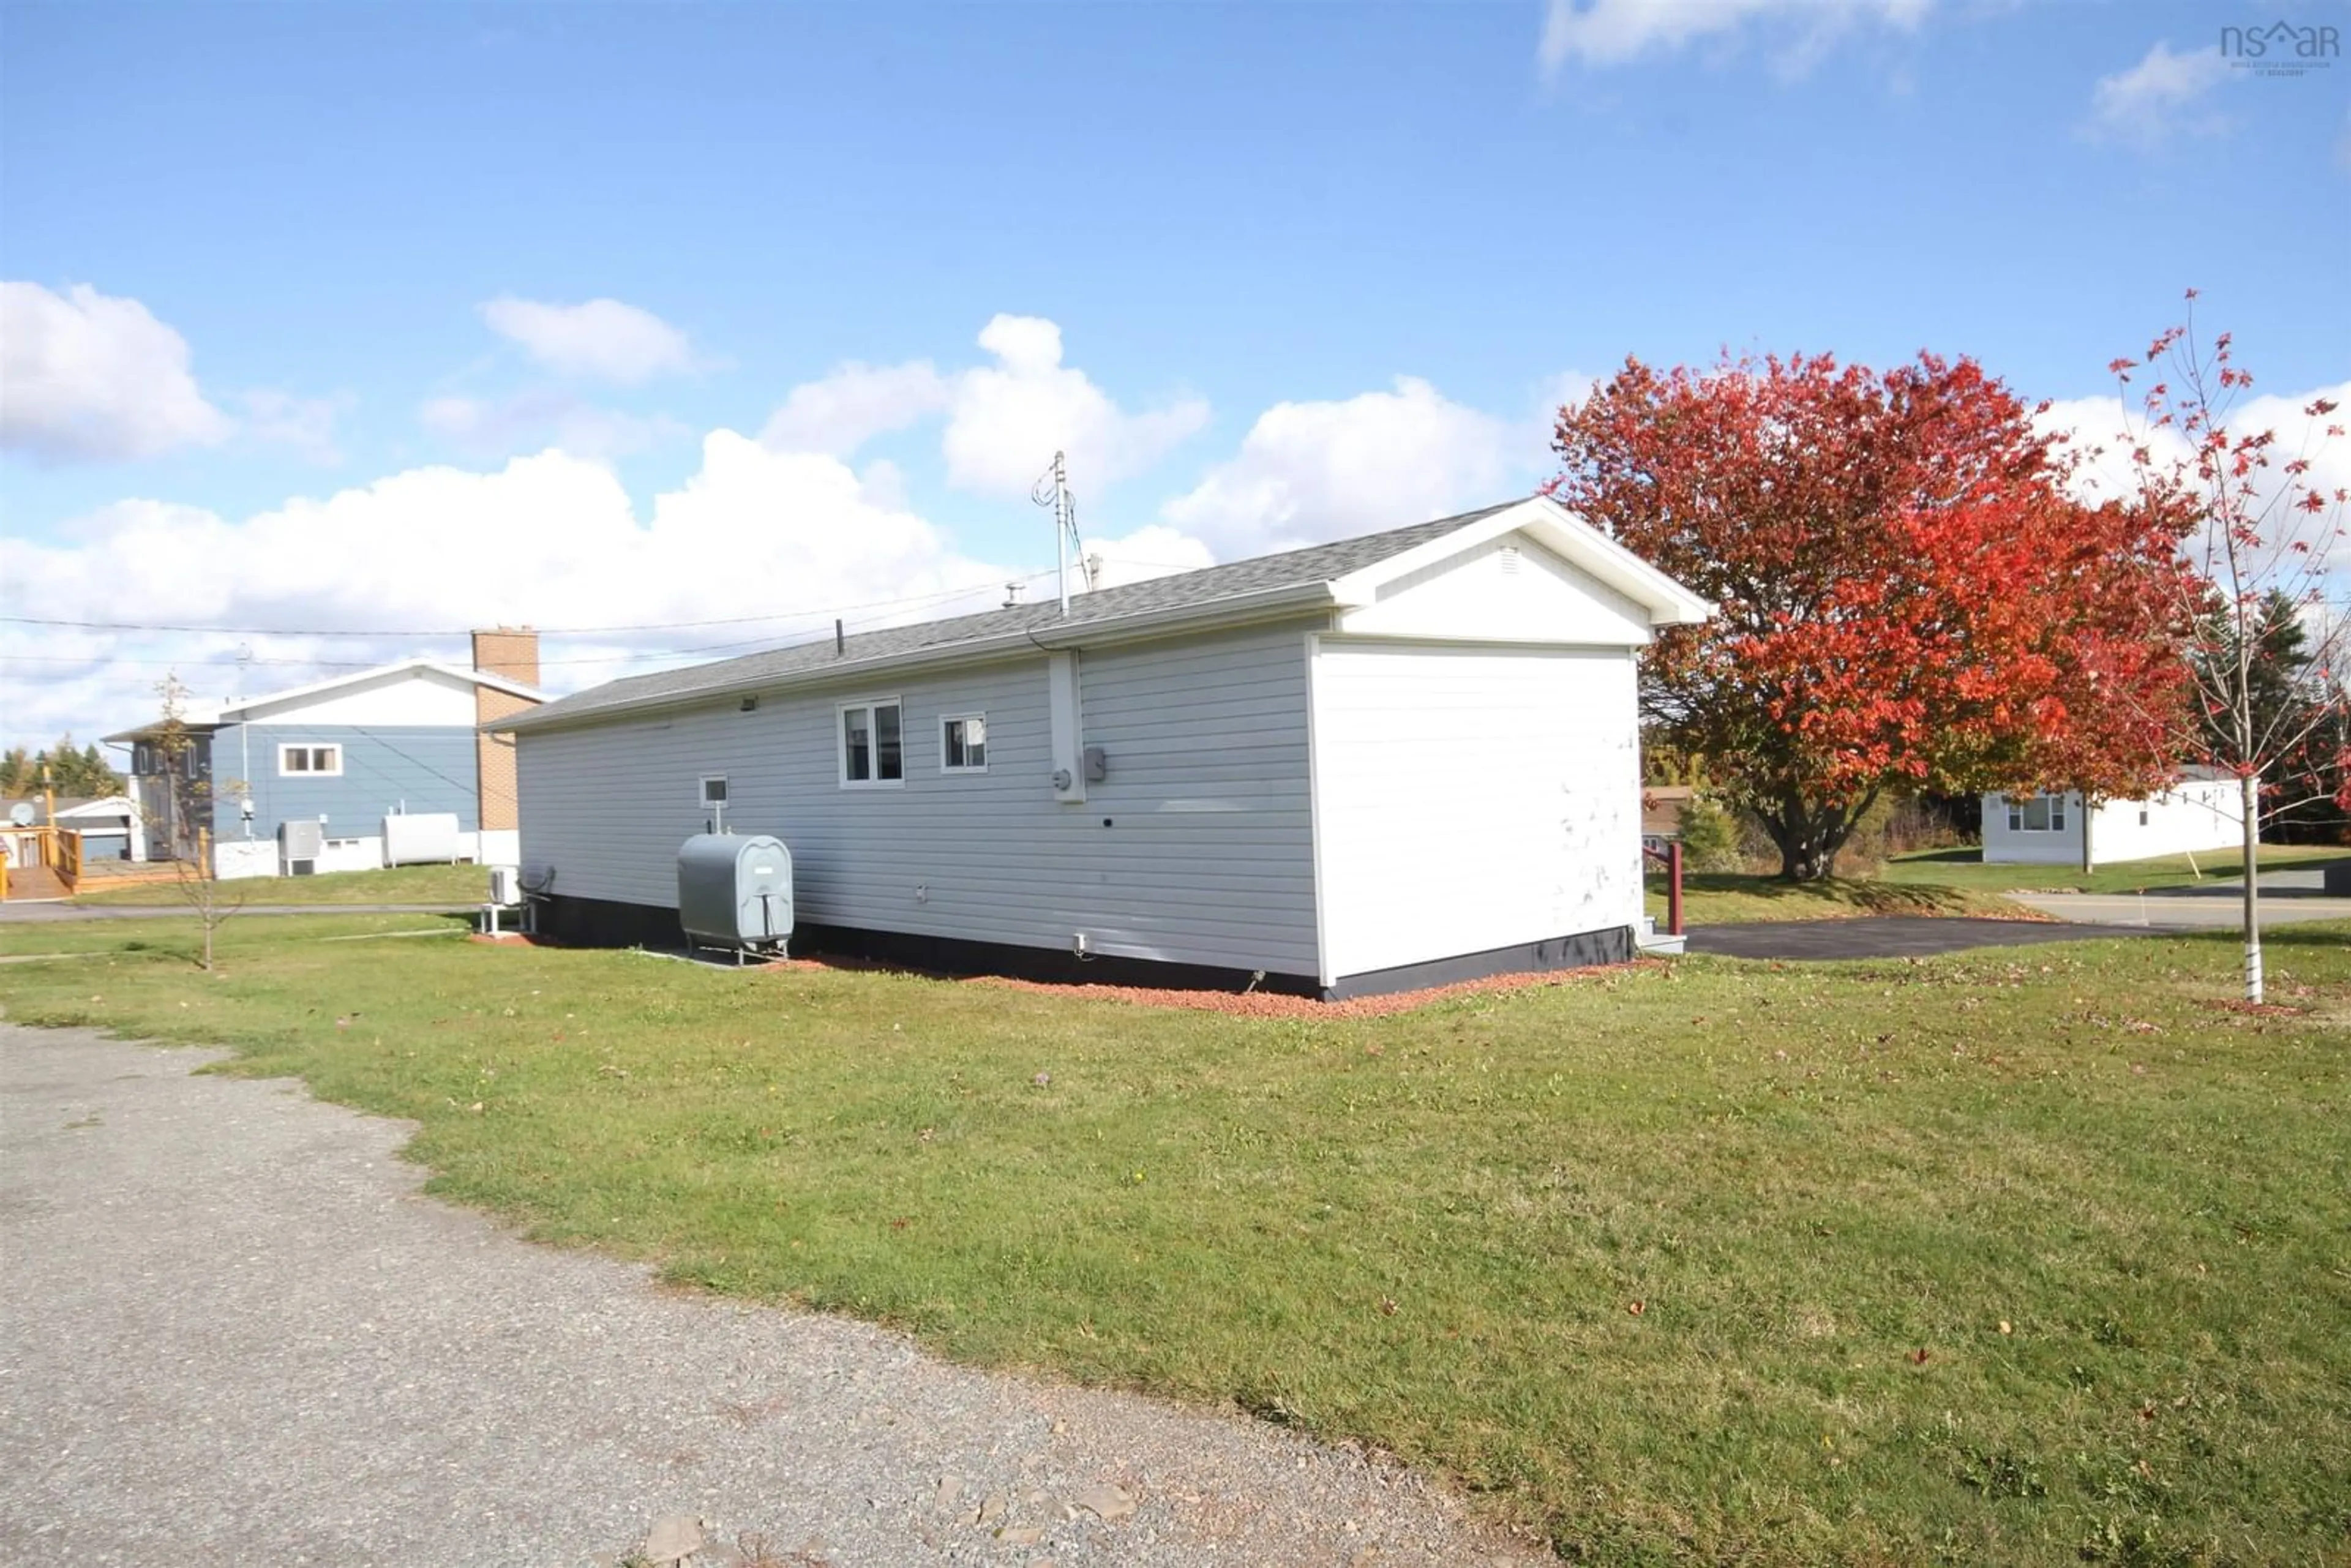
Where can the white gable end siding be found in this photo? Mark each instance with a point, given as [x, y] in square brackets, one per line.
[1507, 589]
[1471, 799]
[410, 697]
[1207, 858]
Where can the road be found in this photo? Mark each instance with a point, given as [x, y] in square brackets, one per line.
[43, 914]
[2186, 909]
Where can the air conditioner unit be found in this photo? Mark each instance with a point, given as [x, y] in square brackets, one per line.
[300, 843]
[505, 886]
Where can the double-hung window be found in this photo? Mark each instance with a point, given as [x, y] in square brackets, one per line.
[2036, 814]
[962, 743]
[872, 744]
[315, 761]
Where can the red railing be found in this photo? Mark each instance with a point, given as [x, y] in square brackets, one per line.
[1670, 857]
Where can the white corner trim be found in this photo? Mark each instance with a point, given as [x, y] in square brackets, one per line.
[1314, 811]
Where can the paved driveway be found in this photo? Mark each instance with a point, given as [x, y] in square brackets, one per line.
[1880, 936]
[236, 1334]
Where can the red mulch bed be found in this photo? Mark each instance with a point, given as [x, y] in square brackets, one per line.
[1267, 1004]
[1242, 1004]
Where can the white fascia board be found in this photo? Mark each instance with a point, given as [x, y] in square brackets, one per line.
[1564, 534]
[1239, 609]
[243, 711]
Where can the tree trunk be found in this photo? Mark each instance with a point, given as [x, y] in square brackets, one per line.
[2089, 815]
[2249, 792]
[1809, 837]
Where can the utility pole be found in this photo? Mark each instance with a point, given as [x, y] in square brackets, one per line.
[1052, 489]
[245, 743]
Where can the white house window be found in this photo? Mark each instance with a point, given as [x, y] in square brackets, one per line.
[714, 790]
[310, 761]
[2037, 814]
[962, 743]
[873, 749]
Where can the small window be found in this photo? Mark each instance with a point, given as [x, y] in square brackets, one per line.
[714, 790]
[315, 761]
[962, 743]
[873, 749]
[2142, 815]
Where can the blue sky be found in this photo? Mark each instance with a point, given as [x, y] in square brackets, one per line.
[1246, 223]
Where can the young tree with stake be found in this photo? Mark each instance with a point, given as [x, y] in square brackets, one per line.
[191, 796]
[2267, 545]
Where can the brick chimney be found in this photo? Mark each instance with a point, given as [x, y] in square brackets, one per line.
[512, 654]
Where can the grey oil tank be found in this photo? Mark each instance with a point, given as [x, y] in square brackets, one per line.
[734, 891]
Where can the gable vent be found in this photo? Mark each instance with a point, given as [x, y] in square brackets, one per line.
[1510, 561]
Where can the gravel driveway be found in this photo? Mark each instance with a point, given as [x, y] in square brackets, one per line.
[236, 1332]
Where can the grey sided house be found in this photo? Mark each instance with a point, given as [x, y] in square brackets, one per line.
[1391, 761]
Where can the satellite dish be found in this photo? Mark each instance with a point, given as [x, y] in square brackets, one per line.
[22, 813]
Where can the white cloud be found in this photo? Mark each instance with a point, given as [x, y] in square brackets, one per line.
[2160, 96]
[1308, 472]
[854, 405]
[552, 541]
[1005, 422]
[305, 424]
[489, 429]
[90, 377]
[1596, 33]
[602, 340]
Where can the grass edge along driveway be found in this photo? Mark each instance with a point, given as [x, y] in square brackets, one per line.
[2002, 1257]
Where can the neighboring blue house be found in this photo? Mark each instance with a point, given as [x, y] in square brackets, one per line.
[401, 739]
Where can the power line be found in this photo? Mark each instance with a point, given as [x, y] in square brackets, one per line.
[828, 613]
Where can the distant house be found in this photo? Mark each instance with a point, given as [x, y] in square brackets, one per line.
[105, 824]
[2204, 812]
[1390, 761]
[416, 739]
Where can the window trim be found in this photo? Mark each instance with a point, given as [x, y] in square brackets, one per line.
[286, 748]
[946, 719]
[869, 706]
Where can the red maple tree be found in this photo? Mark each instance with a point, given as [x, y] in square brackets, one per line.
[1910, 597]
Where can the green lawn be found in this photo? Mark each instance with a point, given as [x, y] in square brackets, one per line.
[399, 885]
[2038, 1256]
[1964, 867]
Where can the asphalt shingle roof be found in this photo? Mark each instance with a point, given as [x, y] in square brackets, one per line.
[1262, 574]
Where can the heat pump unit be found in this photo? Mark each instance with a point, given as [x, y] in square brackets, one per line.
[300, 843]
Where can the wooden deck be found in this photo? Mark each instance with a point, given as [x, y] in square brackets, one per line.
[31, 884]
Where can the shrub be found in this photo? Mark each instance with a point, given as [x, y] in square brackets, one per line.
[1710, 839]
